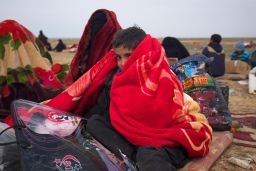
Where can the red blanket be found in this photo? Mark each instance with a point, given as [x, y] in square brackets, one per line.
[147, 104]
[83, 93]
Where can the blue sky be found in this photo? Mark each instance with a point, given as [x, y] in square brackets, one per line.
[179, 18]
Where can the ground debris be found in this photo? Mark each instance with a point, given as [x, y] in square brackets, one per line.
[243, 162]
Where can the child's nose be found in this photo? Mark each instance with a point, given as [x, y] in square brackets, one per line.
[122, 62]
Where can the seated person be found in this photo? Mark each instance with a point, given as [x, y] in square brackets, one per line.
[60, 46]
[94, 43]
[174, 48]
[241, 53]
[215, 50]
[140, 111]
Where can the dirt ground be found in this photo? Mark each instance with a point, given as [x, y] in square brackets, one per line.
[239, 101]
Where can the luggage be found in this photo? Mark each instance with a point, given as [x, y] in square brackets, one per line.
[197, 83]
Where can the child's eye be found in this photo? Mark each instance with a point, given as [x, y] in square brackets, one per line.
[118, 57]
[127, 55]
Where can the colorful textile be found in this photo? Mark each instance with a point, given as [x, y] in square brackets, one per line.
[147, 104]
[245, 131]
[25, 67]
[94, 43]
[203, 89]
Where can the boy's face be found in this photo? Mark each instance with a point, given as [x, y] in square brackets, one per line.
[122, 55]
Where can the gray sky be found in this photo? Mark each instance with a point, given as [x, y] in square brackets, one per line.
[179, 18]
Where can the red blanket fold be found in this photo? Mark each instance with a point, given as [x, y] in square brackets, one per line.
[83, 93]
[147, 104]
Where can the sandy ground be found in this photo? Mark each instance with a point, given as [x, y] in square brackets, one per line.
[239, 101]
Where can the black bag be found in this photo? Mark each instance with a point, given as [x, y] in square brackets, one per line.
[51, 139]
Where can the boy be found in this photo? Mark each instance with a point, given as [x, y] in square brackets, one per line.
[141, 110]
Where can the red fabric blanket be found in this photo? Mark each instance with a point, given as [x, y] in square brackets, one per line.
[83, 93]
[92, 48]
[147, 104]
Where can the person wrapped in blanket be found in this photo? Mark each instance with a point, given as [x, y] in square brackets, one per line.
[94, 43]
[142, 112]
[98, 34]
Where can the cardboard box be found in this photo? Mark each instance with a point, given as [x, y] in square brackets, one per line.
[236, 67]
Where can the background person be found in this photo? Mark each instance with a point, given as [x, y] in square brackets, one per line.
[215, 50]
[60, 46]
[241, 53]
[44, 40]
[94, 43]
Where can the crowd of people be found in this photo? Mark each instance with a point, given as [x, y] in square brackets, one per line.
[214, 51]
[122, 94]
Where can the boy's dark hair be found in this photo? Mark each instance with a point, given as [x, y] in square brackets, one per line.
[128, 38]
[216, 38]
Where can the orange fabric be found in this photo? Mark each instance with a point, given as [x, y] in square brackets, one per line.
[147, 104]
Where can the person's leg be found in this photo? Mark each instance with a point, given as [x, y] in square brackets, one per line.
[154, 159]
[178, 156]
[102, 131]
